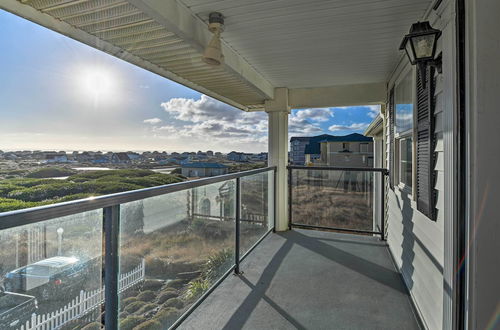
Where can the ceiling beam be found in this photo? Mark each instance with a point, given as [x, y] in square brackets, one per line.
[337, 96]
[68, 30]
[181, 21]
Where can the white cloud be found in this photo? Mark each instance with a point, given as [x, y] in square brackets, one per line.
[318, 114]
[351, 127]
[152, 121]
[199, 110]
[373, 110]
[210, 122]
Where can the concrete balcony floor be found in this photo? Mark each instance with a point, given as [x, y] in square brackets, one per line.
[304, 279]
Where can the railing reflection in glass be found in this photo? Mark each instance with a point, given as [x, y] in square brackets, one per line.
[51, 270]
[257, 212]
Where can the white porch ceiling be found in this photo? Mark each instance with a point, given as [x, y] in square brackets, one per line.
[316, 43]
[299, 44]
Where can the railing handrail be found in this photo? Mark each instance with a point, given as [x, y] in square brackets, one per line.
[36, 214]
[332, 168]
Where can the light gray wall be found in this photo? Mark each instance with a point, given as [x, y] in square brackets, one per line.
[416, 242]
[483, 28]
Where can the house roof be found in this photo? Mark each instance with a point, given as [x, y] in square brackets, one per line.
[122, 156]
[203, 165]
[308, 138]
[375, 127]
[314, 148]
[354, 137]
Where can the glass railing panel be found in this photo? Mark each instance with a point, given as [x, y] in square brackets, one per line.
[177, 245]
[257, 213]
[333, 198]
[58, 264]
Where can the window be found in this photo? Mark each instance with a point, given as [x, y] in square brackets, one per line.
[403, 97]
[345, 146]
[363, 147]
[405, 167]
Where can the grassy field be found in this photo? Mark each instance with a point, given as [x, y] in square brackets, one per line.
[34, 188]
[323, 201]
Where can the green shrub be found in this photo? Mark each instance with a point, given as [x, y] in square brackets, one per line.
[174, 302]
[197, 287]
[218, 263]
[127, 301]
[133, 307]
[8, 204]
[146, 308]
[167, 316]
[51, 172]
[152, 284]
[131, 322]
[149, 325]
[176, 284]
[147, 295]
[166, 295]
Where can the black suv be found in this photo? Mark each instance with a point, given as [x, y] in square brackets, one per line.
[49, 278]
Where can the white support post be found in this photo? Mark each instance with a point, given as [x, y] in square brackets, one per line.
[278, 111]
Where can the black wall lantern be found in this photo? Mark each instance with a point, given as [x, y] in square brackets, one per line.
[420, 46]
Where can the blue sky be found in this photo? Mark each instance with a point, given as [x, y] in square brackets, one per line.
[56, 93]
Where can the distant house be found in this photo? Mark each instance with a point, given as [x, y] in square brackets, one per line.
[56, 158]
[237, 156]
[100, 160]
[353, 150]
[83, 157]
[133, 155]
[120, 158]
[201, 169]
[300, 144]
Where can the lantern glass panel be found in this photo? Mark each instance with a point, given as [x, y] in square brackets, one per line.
[409, 52]
[423, 45]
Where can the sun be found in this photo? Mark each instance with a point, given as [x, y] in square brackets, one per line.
[96, 84]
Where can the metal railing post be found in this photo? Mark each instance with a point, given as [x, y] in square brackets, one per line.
[274, 200]
[289, 198]
[382, 206]
[237, 228]
[111, 265]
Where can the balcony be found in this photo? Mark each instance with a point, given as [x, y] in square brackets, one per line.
[305, 279]
[162, 257]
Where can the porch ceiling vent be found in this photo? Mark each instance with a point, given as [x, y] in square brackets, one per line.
[213, 53]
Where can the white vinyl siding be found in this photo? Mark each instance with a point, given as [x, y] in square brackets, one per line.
[416, 242]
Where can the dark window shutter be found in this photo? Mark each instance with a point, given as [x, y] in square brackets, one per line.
[391, 138]
[425, 140]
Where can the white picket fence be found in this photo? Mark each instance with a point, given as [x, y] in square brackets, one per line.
[83, 304]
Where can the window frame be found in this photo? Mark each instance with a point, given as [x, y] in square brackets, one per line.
[410, 133]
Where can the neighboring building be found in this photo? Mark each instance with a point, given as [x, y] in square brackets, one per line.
[203, 169]
[298, 146]
[56, 158]
[237, 156]
[297, 149]
[134, 155]
[353, 150]
[120, 158]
